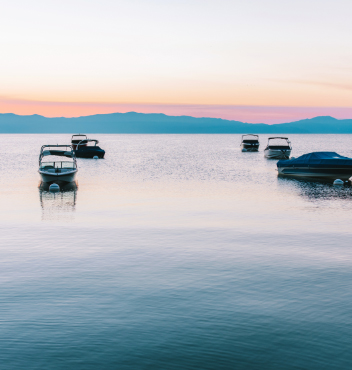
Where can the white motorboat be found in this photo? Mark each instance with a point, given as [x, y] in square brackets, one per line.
[55, 170]
[278, 148]
[250, 143]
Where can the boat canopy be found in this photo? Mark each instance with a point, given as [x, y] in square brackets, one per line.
[250, 139]
[278, 137]
[57, 150]
[278, 143]
[78, 137]
[317, 159]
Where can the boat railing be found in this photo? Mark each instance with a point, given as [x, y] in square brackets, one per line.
[57, 150]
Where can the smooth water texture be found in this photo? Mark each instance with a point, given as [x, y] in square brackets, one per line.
[174, 252]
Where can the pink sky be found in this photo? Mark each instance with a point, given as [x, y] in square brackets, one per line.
[244, 113]
[253, 61]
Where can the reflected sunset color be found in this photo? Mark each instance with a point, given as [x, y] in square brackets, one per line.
[173, 249]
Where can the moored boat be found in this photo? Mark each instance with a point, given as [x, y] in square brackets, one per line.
[323, 165]
[250, 143]
[83, 150]
[278, 148]
[56, 170]
[76, 139]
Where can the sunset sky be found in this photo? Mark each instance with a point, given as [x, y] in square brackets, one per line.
[254, 61]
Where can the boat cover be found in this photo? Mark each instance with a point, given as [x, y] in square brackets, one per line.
[317, 159]
[60, 153]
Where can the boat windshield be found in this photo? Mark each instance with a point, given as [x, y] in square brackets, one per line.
[57, 164]
[278, 143]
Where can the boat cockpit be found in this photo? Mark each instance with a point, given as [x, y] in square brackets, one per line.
[279, 143]
[55, 165]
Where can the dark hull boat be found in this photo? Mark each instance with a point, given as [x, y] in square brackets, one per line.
[90, 151]
[320, 165]
[83, 150]
[250, 143]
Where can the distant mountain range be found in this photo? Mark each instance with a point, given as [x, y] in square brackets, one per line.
[141, 123]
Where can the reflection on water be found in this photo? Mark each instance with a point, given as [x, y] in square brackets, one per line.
[58, 206]
[314, 190]
[181, 253]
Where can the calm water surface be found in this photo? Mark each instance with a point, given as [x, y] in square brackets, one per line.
[174, 252]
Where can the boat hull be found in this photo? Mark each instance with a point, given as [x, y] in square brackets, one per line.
[249, 147]
[58, 177]
[90, 152]
[319, 173]
[277, 153]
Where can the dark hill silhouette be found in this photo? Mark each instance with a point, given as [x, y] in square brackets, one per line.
[153, 123]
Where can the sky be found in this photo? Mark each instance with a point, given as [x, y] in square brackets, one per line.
[254, 61]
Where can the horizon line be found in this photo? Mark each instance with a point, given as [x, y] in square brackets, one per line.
[243, 113]
[168, 115]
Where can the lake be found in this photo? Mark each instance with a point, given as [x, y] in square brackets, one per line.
[174, 252]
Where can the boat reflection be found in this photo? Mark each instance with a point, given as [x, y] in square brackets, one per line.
[59, 206]
[318, 190]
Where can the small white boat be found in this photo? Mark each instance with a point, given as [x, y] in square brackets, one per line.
[278, 148]
[55, 170]
[250, 143]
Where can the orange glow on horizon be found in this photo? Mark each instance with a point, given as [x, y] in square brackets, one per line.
[244, 113]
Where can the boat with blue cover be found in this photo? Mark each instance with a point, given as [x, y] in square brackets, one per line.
[321, 165]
